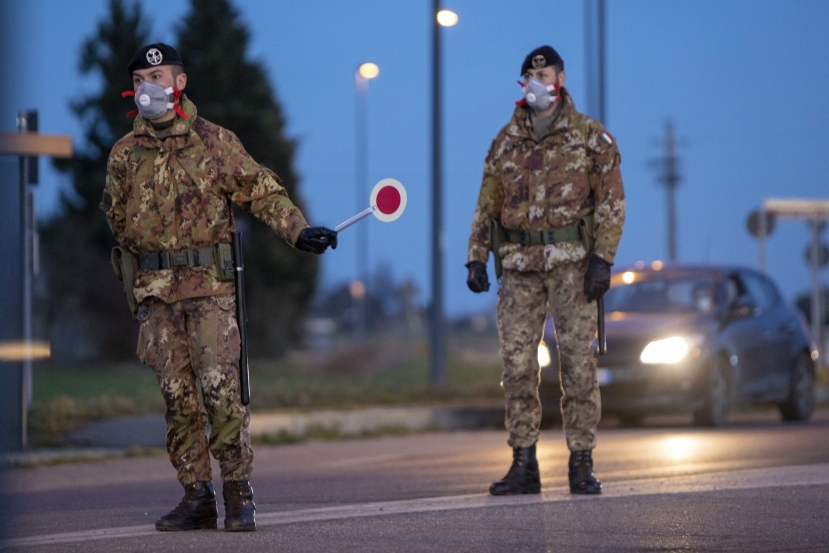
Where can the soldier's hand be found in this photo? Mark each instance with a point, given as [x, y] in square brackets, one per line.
[316, 240]
[597, 278]
[478, 281]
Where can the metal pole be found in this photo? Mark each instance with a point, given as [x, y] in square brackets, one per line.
[26, 292]
[362, 177]
[817, 311]
[601, 56]
[437, 369]
[594, 37]
[763, 232]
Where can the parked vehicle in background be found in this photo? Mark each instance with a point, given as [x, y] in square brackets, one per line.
[697, 339]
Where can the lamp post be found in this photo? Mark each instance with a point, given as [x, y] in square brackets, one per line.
[437, 367]
[362, 76]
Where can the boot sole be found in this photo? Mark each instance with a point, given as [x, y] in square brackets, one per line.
[577, 491]
[523, 491]
[203, 525]
[246, 528]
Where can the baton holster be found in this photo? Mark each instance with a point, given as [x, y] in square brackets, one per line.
[125, 265]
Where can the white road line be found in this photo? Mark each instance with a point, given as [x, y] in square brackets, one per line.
[365, 460]
[747, 479]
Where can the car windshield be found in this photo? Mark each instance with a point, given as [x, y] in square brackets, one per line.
[637, 293]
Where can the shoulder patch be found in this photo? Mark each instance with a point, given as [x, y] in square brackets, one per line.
[606, 138]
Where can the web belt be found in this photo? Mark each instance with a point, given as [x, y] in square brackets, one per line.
[154, 261]
[543, 237]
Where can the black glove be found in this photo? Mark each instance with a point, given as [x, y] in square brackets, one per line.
[316, 240]
[597, 278]
[478, 281]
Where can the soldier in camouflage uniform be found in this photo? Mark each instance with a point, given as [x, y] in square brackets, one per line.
[552, 197]
[167, 198]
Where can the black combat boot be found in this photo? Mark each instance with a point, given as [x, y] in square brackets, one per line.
[522, 476]
[582, 479]
[240, 510]
[197, 510]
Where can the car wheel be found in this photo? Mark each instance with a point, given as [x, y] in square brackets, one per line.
[717, 398]
[801, 401]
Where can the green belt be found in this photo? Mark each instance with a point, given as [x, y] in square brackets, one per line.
[154, 261]
[543, 237]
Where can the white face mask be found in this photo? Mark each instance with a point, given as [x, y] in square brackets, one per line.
[538, 96]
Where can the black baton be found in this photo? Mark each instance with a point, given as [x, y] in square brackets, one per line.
[602, 337]
[241, 317]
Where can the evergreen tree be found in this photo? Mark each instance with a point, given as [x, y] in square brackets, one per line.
[233, 91]
[85, 299]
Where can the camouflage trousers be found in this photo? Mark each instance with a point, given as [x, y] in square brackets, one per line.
[190, 343]
[522, 310]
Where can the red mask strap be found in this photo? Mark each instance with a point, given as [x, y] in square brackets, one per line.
[176, 105]
[180, 111]
[127, 94]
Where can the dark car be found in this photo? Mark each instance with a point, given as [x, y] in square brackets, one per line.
[701, 340]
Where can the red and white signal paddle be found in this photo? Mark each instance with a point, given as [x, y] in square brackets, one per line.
[388, 202]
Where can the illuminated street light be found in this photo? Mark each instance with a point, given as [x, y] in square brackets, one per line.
[628, 277]
[447, 18]
[437, 331]
[362, 76]
[369, 70]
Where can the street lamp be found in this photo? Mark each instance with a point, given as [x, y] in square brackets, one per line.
[447, 18]
[437, 367]
[362, 76]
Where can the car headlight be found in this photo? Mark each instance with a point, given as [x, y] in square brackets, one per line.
[666, 351]
[544, 358]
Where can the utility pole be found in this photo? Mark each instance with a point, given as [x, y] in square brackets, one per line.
[437, 331]
[595, 18]
[668, 174]
[437, 365]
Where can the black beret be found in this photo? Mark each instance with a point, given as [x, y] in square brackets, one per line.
[542, 57]
[154, 55]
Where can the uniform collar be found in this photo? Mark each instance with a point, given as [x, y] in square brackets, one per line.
[181, 126]
[520, 125]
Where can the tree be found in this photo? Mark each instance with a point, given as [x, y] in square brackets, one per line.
[233, 91]
[86, 303]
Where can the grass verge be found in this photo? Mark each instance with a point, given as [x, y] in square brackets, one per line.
[381, 372]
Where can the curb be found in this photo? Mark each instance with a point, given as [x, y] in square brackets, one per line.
[360, 422]
[48, 457]
[145, 435]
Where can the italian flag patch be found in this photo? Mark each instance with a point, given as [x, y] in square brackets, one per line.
[606, 138]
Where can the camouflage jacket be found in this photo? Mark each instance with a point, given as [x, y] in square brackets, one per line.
[570, 173]
[173, 194]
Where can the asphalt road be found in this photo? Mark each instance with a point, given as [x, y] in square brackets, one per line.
[757, 485]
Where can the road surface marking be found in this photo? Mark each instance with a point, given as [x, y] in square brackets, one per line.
[365, 460]
[801, 475]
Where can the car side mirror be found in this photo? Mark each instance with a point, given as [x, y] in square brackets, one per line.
[742, 308]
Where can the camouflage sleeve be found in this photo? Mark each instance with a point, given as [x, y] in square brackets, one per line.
[257, 190]
[113, 200]
[608, 191]
[490, 201]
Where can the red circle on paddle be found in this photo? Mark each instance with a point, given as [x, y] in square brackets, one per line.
[388, 200]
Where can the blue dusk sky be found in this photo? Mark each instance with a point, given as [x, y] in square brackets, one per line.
[745, 83]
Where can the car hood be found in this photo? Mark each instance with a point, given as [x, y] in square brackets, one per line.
[629, 333]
